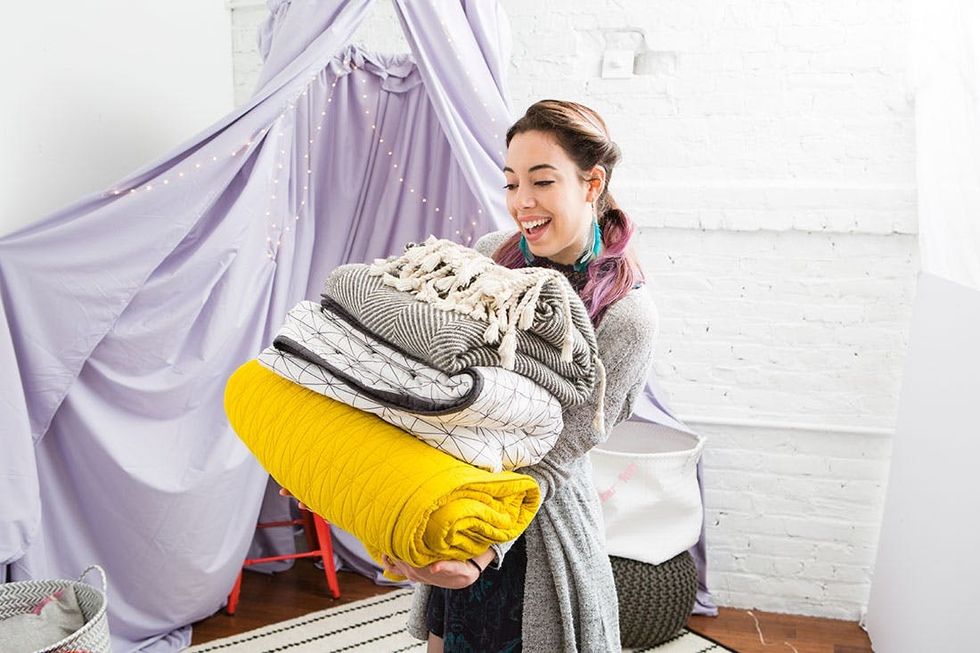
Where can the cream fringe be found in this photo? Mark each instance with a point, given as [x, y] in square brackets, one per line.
[456, 278]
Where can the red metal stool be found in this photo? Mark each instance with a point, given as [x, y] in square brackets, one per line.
[317, 531]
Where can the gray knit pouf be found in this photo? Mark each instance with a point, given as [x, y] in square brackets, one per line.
[654, 600]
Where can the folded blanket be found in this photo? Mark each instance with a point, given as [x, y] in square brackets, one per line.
[456, 309]
[396, 494]
[486, 416]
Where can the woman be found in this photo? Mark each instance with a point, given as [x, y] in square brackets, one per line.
[552, 588]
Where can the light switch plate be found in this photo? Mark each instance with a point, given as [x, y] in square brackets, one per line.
[617, 64]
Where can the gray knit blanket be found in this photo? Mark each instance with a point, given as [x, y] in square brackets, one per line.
[456, 309]
[486, 416]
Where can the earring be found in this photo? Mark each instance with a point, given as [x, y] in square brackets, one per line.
[525, 250]
[591, 252]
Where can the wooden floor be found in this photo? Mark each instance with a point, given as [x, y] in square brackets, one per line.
[303, 589]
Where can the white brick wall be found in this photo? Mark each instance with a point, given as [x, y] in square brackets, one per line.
[768, 157]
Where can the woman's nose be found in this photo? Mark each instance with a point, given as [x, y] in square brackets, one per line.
[525, 199]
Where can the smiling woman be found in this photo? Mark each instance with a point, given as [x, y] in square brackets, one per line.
[552, 588]
[560, 161]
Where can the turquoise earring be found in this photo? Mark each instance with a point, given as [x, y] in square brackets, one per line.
[592, 252]
[525, 250]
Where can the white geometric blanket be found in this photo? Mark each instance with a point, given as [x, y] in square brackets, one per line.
[486, 416]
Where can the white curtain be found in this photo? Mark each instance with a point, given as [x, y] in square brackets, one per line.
[945, 65]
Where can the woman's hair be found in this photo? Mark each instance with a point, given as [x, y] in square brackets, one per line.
[582, 133]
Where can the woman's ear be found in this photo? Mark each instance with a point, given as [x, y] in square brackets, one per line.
[597, 183]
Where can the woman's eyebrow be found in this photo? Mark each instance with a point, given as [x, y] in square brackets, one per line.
[533, 168]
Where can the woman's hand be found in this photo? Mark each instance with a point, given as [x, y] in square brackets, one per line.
[283, 492]
[451, 574]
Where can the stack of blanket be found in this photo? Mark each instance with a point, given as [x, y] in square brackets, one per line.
[486, 416]
[474, 360]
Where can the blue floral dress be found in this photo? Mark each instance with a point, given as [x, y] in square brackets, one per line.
[487, 616]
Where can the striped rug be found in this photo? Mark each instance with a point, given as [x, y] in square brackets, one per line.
[375, 625]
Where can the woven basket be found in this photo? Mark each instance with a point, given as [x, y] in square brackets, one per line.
[654, 600]
[18, 598]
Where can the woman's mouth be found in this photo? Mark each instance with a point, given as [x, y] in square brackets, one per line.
[533, 229]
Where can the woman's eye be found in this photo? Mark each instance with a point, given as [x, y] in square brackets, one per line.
[537, 183]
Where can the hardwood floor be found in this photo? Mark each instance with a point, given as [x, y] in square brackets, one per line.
[303, 589]
[736, 629]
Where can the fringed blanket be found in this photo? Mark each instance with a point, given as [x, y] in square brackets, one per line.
[398, 495]
[456, 309]
[486, 416]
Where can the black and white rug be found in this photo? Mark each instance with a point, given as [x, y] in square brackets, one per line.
[375, 625]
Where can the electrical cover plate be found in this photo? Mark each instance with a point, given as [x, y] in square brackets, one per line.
[617, 64]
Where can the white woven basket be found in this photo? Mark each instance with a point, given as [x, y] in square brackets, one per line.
[18, 598]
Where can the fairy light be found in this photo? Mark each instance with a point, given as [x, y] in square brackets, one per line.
[275, 240]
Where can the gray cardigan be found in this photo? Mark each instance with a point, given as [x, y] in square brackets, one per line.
[569, 595]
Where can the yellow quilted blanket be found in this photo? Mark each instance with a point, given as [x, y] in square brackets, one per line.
[398, 495]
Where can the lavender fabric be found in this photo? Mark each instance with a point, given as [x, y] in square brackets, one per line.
[124, 313]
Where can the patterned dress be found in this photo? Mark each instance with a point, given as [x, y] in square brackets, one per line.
[485, 617]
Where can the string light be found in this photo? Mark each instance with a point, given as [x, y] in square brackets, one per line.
[288, 111]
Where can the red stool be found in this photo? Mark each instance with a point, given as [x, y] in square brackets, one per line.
[312, 523]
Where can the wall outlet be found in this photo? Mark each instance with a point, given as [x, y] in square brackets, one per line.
[617, 64]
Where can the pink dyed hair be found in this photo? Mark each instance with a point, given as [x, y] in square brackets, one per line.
[582, 134]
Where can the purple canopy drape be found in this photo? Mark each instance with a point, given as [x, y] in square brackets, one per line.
[124, 314]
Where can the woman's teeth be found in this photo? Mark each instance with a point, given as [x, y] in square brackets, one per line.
[531, 227]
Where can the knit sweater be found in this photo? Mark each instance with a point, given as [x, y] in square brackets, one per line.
[569, 596]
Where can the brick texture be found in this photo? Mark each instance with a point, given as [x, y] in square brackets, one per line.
[769, 161]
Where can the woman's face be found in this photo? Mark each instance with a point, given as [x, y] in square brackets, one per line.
[547, 198]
